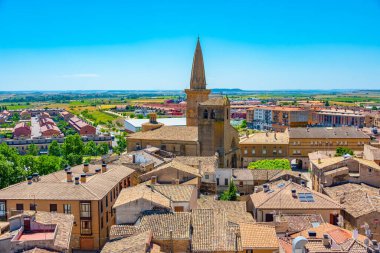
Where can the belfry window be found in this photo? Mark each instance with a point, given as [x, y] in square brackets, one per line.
[205, 114]
[212, 114]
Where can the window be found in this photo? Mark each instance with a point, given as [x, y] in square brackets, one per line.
[67, 208]
[280, 151]
[369, 170]
[20, 207]
[32, 207]
[205, 114]
[253, 151]
[245, 151]
[207, 176]
[53, 207]
[226, 181]
[101, 222]
[85, 210]
[2, 209]
[85, 227]
[111, 195]
[101, 205]
[106, 200]
[264, 151]
[274, 151]
[212, 114]
[217, 181]
[107, 216]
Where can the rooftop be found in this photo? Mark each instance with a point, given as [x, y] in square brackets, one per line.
[299, 222]
[235, 211]
[54, 186]
[357, 199]
[280, 196]
[266, 138]
[258, 236]
[209, 163]
[326, 133]
[212, 231]
[172, 133]
[166, 121]
[172, 165]
[137, 243]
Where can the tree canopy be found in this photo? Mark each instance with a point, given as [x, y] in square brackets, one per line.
[340, 151]
[274, 164]
[230, 194]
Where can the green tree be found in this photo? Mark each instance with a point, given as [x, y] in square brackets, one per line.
[121, 144]
[243, 124]
[230, 194]
[103, 148]
[72, 149]
[327, 103]
[54, 148]
[16, 116]
[90, 148]
[32, 150]
[374, 108]
[274, 164]
[340, 151]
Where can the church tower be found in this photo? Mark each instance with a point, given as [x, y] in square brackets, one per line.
[197, 92]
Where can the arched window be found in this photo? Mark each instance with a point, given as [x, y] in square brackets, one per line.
[212, 114]
[205, 114]
[228, 114]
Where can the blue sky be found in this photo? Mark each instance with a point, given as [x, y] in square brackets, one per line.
[253, 44]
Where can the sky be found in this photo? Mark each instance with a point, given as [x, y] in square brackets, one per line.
[148, 45]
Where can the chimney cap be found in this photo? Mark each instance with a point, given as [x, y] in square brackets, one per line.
[97, 170]
[69, 172]
[76, 178]
[104, 164]
[83, 175]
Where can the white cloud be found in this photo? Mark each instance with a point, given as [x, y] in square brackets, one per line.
[81, 75]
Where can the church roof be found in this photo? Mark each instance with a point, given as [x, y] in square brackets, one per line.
[198, 76]
[168, 133]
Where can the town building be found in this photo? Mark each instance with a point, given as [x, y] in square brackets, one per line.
[170, 231]
[25, 115]
[361, 207]
[285, 197]
[22, 130]
[326, 238]
[87, 191]
[303, 141]
[266, 145]
[332, 171]
[335, 117]
[134, 201]
[207, 131]
[277, 118]
[33, 231]
[4, 116]
[65, 115]
[81, 127]
[372, 153]
[246, 179]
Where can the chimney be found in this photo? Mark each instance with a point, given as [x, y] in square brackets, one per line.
[152, 118]
[83, 178]
[303, 183]
[104, 167]
[326, 240]
[176, 182]
[85, 167]
[76, 180]
[294, 193]
[319, 160]
[275, 136]
[30, 179]
[69, 176]
[200, 167]
[133, 158]
[67, 168]
[153, 180]
[97, 171]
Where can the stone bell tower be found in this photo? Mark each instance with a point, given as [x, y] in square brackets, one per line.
[197, 92]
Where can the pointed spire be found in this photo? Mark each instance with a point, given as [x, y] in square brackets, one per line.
[198, 76]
